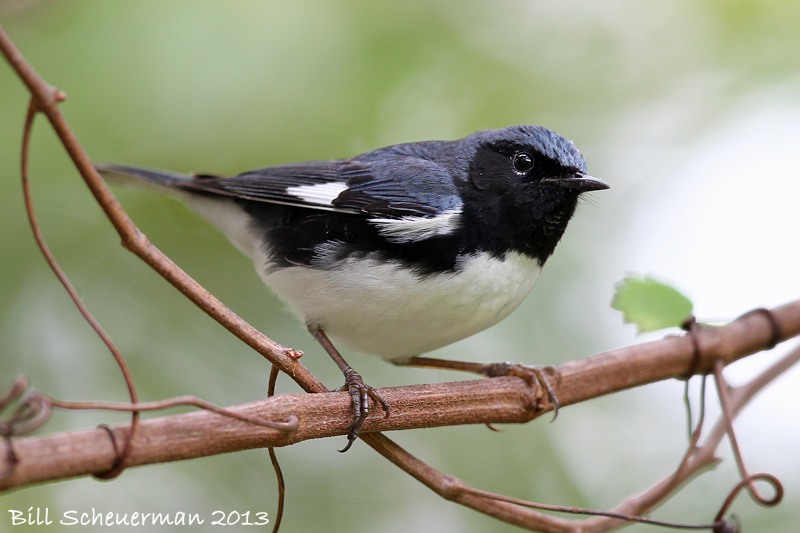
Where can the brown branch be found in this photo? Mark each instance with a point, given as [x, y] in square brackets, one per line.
[697, 458]
[521, 513]
[495, 400]
[320, 415]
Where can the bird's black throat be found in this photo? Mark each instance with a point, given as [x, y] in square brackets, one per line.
[531, 224]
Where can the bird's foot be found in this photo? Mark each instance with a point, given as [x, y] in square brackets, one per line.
[535, 375]
[360, 393]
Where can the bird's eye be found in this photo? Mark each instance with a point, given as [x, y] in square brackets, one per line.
[522, 162]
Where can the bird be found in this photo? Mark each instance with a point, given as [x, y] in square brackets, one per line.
[401, 250]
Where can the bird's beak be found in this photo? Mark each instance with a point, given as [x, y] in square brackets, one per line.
[578, 182]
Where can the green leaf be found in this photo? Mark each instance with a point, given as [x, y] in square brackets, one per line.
[650, 304]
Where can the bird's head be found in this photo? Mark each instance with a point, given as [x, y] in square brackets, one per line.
[526, 181]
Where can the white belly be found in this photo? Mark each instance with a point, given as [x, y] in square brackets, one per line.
[382, 309]
[379, 308]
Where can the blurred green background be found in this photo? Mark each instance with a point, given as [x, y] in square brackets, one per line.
[689, 109]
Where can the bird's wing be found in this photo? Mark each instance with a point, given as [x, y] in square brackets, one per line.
[314, 184]
[396, 188]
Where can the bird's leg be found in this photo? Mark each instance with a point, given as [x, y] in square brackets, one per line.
[360, 392]
[535, 375]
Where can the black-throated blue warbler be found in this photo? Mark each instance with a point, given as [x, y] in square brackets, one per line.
[402, 250]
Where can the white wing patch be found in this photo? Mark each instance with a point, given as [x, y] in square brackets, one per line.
[409, 229]
[321, 193]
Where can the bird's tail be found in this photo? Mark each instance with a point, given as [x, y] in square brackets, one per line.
[160, 179]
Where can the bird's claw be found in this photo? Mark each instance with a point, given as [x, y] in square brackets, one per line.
[360, 393]
[535, 375]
